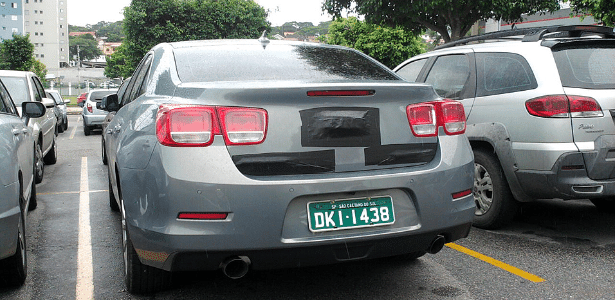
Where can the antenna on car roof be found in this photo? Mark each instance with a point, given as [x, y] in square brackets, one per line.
[264, 40]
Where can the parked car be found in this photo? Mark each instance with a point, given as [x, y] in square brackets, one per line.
[540, 113]
[17, 185]
[60, 109]
[81, 99]
[27, 87]
[93, 116]
[120, 95]
[220, 159]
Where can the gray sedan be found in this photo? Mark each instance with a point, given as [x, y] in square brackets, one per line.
[251, 154]
[17, 185]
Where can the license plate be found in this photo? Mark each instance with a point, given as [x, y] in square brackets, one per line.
[350, 213]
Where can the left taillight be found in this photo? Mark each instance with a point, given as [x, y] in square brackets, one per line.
[196, 125]
[89, 107]
[426, 118]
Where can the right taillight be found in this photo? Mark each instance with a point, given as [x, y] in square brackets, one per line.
[195, 125]
[563, 106]
[426, 118]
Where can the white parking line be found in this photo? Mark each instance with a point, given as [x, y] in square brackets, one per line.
[72, 133]
[85, 274]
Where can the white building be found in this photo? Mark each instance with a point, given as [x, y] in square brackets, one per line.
[46, 22]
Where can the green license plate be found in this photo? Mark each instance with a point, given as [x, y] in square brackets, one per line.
[350, 213]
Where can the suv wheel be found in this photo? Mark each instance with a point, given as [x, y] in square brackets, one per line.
[495, 204]
[86, 129]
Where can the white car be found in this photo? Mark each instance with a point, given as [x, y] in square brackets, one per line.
[27, 87]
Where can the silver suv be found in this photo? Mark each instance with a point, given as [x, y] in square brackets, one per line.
[540, 107]
[93, 116]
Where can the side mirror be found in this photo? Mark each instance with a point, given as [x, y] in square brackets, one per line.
[31, 110]
[48, 102]
[66, 101]
[110, 103]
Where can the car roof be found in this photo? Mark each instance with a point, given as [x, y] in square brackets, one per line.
[12, 73]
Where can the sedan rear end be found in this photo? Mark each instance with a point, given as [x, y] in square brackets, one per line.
[248, 155]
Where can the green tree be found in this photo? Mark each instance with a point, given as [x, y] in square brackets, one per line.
[451, 19]
[601, 10]
[116, 64]
[389, 45]
[18, 53]
[40, 70]
[88, 47]
[147, 23]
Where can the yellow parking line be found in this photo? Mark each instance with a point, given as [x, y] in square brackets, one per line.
[497, 263]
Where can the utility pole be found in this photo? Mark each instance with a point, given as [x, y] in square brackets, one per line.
[78, 71]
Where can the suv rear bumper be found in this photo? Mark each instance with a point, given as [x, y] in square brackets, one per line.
[567, 179]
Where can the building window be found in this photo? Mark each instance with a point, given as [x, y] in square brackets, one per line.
[2, 3]
[36, 33]
[15, 30]
[35, 22]
[14, 18]
[14, 5]
[41, 34]
[42, 55]
[61, 26]
[41, 23]
[40, 12]
[3, 28]
[35, 11]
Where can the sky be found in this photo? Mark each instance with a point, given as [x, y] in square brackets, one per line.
[83, 12]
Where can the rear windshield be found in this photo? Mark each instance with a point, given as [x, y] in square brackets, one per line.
[98, 95]
[586, 66]
[275, 62]
[18, 89]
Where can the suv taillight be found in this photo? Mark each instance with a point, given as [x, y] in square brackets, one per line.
[195, 125]
[562, 106]
[426, 118]
[89, 107]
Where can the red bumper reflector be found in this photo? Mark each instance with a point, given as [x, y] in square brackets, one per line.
[340, 93]
[202, 216]
[462, 194]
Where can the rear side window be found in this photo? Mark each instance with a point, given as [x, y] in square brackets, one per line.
[586, 66]
[449, 75]
[410, 71]
[275, 62]
[502, 73]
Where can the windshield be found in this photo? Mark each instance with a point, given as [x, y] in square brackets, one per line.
[18, 89]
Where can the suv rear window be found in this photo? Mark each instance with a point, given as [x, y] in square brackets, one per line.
[501, 73]
[590, 66]
[275, 62]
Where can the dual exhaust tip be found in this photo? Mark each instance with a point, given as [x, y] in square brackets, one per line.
[236, 267]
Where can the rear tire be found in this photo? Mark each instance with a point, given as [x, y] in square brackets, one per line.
[87, 130]
[112, 200]
[104, 153]
[140, 278]
[65, 124]
[52, 156]
[605, 204]
[33, 202]
[61, 127]
[14, 269]
[39, 168]
[495, 204]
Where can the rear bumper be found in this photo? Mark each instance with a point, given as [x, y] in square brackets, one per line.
[310, 255]
[268, 220]
[570, 183]
[93, 119]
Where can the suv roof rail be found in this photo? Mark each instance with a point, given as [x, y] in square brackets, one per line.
[534, 34]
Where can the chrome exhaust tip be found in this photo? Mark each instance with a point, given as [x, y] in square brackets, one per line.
[235, 267]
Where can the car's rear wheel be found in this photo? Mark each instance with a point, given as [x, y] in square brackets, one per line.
[112, 200]
[86, 129]
[39, 163]
[33, 202]
[495, 204]
[61, 127]
[104, 153]
[140, 278]
[65, 124]
[605, 204]
[52, 156]
[14, 269]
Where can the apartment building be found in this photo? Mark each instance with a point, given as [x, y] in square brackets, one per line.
[11, 18]
[47, 23]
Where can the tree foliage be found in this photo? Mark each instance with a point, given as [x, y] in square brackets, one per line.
[601, 10]
[389, 45]
[451, 19]
[18, 54]
[148, 23]
[88, 47]
[116, 64]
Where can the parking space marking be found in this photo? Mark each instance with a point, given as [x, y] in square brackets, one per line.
[85, 273]
[497, 263]
[74, 192]
[72, 133]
